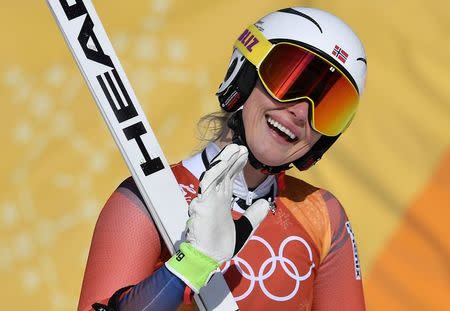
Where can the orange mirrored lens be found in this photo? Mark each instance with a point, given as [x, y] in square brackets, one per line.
[290, 72]
[335, 110]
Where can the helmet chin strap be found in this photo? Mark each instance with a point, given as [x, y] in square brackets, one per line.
[236, 124]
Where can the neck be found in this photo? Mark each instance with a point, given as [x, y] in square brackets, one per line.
[253, 177]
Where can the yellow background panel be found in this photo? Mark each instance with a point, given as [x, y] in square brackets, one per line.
[59, 164]
[411, 272]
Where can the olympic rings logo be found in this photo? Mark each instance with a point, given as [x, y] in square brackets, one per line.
[273, 260]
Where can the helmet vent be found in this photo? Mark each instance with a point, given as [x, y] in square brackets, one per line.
[363, 60]
[292, 11]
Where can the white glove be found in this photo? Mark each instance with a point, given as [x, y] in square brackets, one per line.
[213, 237]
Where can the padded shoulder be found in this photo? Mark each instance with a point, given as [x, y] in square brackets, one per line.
[308, 206]
[296, 189]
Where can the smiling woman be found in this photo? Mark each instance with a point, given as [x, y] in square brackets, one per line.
[390, 169]
[289, 92]
[278, 133]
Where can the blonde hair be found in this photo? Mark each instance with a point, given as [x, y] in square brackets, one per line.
[213, 126]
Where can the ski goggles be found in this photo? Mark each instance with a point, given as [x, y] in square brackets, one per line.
[290, 72]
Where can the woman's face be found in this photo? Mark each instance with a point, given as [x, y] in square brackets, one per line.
[277, 133]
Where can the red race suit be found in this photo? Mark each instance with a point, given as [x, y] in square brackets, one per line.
[303, 257]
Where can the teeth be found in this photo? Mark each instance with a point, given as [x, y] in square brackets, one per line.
[281, 128]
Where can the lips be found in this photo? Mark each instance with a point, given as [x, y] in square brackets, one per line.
[282, 130]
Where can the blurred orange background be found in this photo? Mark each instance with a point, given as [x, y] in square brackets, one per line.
[390, 170]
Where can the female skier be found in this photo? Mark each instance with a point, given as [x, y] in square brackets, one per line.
[291, 89]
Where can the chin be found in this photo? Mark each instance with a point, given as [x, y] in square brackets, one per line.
[275, 157]
[269, 158]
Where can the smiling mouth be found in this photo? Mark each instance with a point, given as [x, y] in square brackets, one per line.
[281, 130]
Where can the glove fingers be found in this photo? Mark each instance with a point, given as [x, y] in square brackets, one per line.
[219, 167]
[237, 166]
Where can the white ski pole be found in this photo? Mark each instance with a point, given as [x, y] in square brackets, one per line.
[103, 73]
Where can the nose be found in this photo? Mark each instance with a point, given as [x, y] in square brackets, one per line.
[300, 112]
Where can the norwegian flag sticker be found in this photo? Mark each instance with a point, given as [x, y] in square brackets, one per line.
[340, 54]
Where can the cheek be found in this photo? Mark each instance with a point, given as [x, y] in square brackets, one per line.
[254, 122]
[256, 135]
[249, 116]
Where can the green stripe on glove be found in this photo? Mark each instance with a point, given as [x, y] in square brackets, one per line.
[192, 266]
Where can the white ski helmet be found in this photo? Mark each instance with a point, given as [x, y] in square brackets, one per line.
[314, 30]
